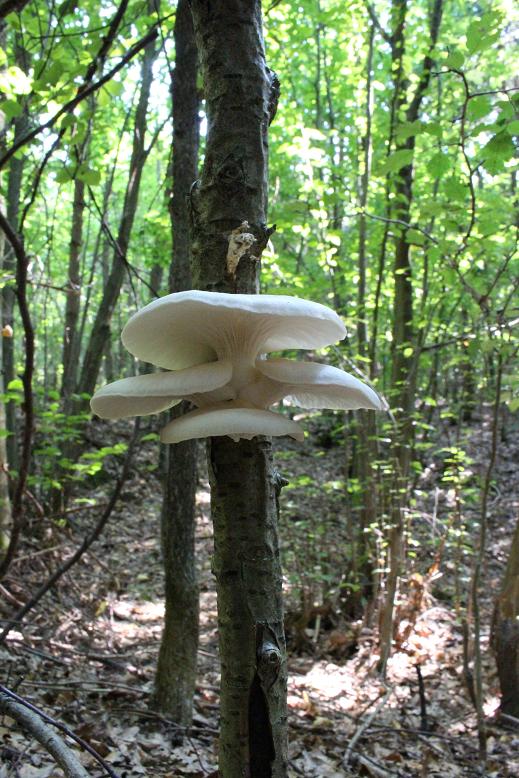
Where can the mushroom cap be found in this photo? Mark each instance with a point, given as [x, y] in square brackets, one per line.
[314, 385]
[235, 422]
[155, 392]
[188, 328]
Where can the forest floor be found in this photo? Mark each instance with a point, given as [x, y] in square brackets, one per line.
[87, 653]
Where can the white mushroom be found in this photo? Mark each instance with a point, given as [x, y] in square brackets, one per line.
[229, 420]
[187, 328]
[311, 385]
[155, 392]
[213, 346]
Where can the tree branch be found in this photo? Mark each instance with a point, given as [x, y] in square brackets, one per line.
[376, 23]
[106, 42]
[80, 96]
[428, 62]
[22, 264]
[30, 717]
[11, 6]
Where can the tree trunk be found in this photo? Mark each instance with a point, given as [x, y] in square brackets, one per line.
[405, 343]
[241, 92]
[505, 633]
[73, 302]
[14, 186]
[5, 500]
[101, 327]
[365, 452]
[176, 669]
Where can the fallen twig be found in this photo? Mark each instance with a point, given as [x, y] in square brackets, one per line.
[91, 686]
[364, 725]
[36, 721]
[151, 714]
[9, 596]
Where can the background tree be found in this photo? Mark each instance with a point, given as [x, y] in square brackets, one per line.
[176, 669]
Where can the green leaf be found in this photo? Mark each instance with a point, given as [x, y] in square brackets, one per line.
[480, 35]
[408, 129]
[439, 164]
[506, 109]
[479, 107]
[114, 88]
[63, 175]
[433, 128]
[150, 436]
[416, 237]
[497, 151]
[455, 189]
[397, 160]
[513, 127]
[455, 60]
[68, 121]
[89, 176]
[14, 22]
[11, 108]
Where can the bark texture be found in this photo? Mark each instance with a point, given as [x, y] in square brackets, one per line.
[505, 633]
[244, 488]
[241, 95]
[176, 670]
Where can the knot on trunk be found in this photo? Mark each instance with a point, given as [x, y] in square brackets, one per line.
[269, 663]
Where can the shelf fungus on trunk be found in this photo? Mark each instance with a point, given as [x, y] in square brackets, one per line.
[213, 347]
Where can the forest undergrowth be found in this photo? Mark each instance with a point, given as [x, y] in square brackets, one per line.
[87, 653]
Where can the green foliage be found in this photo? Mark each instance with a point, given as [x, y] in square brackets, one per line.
[461, 152]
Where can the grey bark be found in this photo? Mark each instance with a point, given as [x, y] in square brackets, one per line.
[51, 742]
[505, 633]
[176, 670]
[241, 95]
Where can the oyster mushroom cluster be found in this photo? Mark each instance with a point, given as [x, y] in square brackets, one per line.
[212, 347]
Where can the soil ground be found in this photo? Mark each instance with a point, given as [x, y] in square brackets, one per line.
[86, 654]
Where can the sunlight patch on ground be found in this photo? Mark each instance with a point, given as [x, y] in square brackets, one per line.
[351, 685]
[491, 706]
